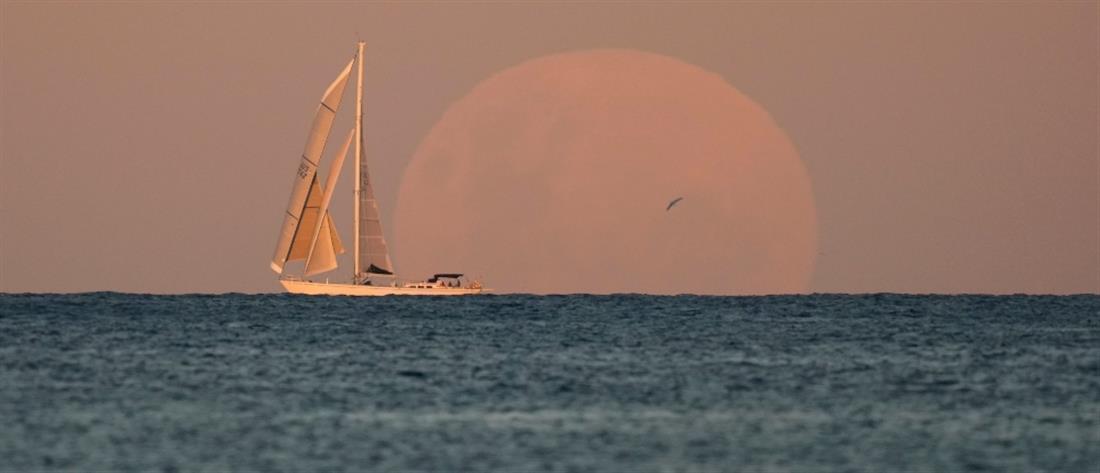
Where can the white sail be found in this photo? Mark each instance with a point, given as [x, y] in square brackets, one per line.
[321, 255]
[371, 253]
[374, 256]
[307, 170]
[325, 248]
[303, 243]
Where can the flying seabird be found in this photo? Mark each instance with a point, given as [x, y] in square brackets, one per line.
[674, 202]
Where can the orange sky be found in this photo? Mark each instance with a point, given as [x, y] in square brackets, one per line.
[951, 147]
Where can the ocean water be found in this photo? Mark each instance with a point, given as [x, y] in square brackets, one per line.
[109, 381]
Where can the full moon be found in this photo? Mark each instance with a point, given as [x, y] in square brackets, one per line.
[555, 176]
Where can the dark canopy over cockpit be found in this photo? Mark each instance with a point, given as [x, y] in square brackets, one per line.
[436, 277]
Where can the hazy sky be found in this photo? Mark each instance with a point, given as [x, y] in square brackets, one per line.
[951, 147]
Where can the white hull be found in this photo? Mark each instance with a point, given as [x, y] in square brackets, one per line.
[332, 289]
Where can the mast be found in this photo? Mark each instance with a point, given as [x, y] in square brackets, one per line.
[372, 254]
[358, 155]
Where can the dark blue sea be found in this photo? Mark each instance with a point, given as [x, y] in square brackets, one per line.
[108, 381]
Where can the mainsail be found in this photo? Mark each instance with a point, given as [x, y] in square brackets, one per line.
[305, 180]
[371, 254]
[374, 256]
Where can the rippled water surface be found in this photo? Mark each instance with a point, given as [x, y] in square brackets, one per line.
[275, 382]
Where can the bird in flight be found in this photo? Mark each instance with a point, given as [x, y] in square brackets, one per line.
[674, 202]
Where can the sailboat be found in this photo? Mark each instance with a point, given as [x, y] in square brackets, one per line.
[308, 233]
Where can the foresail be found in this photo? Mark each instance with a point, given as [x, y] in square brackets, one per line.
[317, 240]
[294, 220]
[325, 249]
[303, 239]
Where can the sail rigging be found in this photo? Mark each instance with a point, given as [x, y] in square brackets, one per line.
[306, 177]
[307, 229]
